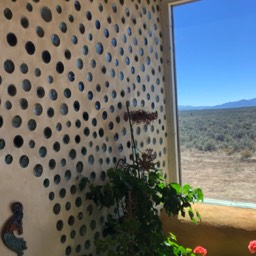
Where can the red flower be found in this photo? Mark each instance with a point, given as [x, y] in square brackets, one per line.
[252, 247]
[200, 251]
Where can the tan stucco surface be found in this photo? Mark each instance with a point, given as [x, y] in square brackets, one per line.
[224, 230]
[67, 69]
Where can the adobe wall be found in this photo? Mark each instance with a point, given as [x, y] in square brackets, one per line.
[67, 69]
[223, 231]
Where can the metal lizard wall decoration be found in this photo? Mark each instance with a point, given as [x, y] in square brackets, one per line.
[15, 224]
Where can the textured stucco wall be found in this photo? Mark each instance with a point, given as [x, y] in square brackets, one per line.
[67, 69]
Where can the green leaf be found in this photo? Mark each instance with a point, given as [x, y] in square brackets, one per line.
[191, 215]
[83, 182]
[200, 195]
[186, 189]
[176, 186]
[131, 225]
[172, 236]
[198, 216]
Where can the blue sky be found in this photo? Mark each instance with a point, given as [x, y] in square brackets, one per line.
[215, 43]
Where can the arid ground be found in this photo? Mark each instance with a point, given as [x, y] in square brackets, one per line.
[221, 176]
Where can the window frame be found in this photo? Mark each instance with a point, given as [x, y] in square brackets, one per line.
[174, 158]
[174, 174]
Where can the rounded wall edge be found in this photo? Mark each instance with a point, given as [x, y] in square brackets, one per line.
[223, 231]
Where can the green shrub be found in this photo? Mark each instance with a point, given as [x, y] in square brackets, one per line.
[246, 154]
[210, 130]
[209, 146]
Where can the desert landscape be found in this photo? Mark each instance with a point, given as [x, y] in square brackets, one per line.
[218, 152]
[221, 176]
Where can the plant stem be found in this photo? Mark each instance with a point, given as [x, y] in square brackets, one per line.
[134, 148]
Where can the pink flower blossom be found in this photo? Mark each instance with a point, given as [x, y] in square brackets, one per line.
[252, 247]
[200, 251]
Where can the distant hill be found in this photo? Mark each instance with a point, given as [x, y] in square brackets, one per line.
[234, 104]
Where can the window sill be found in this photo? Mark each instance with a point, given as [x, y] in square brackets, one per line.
[224, 230]
[229, 203]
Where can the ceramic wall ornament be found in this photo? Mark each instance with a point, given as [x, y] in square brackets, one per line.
[16, 244]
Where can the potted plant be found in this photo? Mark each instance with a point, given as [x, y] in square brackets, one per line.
[133, 194]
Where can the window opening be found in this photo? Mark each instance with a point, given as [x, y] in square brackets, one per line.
[215, 73]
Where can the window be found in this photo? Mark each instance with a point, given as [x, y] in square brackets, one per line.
[216, 93]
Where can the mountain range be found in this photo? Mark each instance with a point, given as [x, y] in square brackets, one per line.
[235, 104]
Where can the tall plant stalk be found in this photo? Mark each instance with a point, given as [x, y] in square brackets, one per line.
[134, 146]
